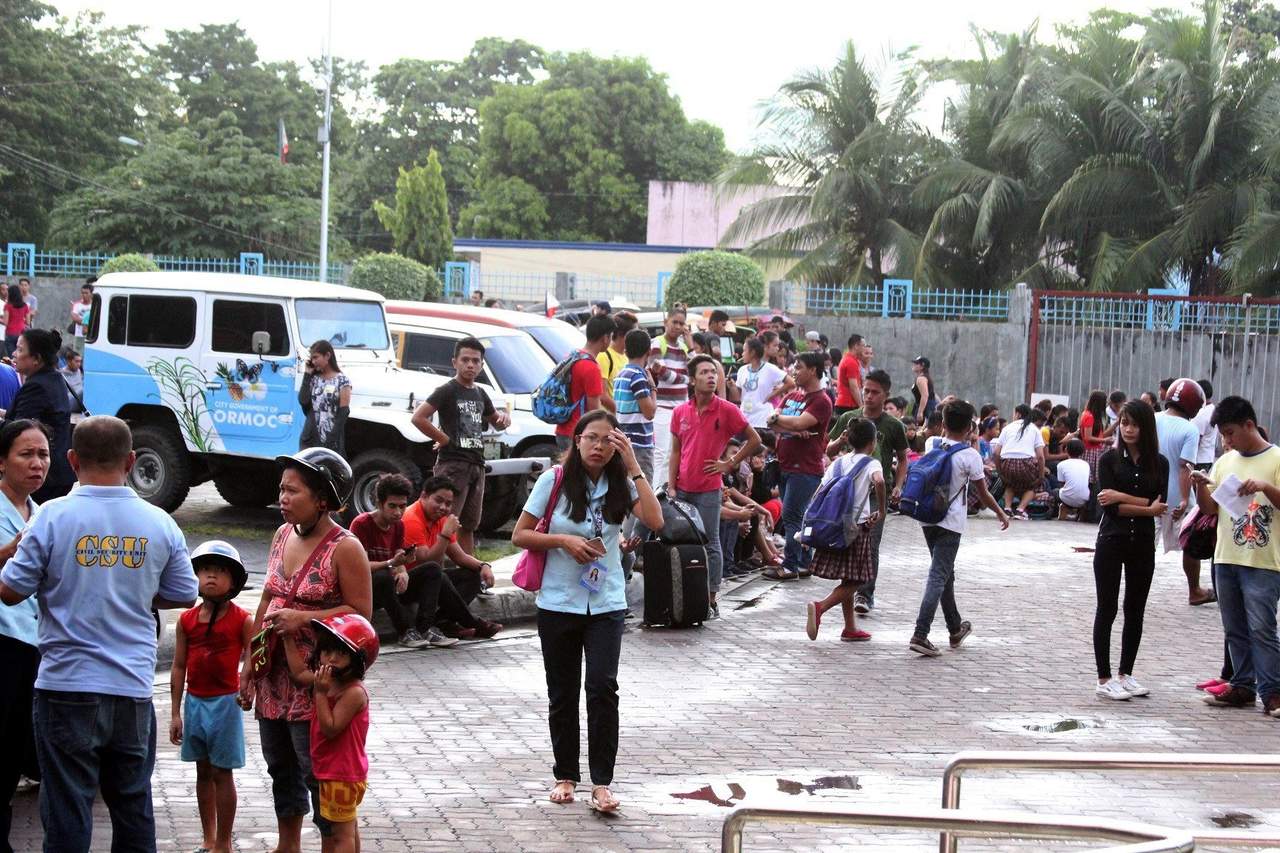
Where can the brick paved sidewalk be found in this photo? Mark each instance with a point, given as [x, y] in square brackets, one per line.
[460, 758]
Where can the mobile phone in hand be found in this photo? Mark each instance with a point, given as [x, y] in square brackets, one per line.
[596, 545]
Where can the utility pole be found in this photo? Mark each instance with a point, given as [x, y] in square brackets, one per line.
[324, 141]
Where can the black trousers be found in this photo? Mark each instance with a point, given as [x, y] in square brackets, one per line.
[19, 663]
[566, 639]
[1137, 562]
[432, 589]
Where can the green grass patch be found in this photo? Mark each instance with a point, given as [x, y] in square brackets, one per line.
[494, 551]
[228, 531]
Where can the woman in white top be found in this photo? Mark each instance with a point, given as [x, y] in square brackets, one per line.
[854, 565]
[1019, 454]
[756, 382]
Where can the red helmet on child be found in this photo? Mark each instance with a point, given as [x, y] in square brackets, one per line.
[1187, 395]
[355, 633]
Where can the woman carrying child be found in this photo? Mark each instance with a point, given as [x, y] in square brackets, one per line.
[852, 567]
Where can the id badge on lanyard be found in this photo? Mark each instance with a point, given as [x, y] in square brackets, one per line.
[594, 573]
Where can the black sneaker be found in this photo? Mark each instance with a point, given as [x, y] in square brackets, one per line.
[958, 637]
[922, 646]
[1232, 697]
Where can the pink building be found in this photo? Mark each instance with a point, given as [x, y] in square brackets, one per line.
[697, 215]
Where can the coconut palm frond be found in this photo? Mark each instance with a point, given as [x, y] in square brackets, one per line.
[1254, 256]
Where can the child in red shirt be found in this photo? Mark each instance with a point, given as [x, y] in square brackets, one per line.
[211, 641]
[346, 646]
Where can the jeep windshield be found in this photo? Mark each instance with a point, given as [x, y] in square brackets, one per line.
[558, 339]
[345, 325]
[517, 362]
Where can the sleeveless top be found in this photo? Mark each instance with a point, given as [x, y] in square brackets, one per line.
[214, 650]
[930, 404]
[277, 696]
[341, 758]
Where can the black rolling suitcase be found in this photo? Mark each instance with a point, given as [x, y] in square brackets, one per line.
[675, 569]
[675, 584]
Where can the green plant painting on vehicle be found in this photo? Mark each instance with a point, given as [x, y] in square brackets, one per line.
[182, 389]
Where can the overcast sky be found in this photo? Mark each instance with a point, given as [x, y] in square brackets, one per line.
[721, 59]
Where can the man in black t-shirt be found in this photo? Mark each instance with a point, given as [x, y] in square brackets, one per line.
[464, 409]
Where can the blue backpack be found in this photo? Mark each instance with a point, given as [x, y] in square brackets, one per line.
[551, 401]
[926, 495]
[831, 520]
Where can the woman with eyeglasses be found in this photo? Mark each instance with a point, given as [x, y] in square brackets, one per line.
[583, 598]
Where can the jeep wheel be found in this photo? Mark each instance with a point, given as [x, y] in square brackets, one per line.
[162, 473]
[365, 471]
[244, 487]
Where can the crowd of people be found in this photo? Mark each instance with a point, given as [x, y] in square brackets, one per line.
[752, 441]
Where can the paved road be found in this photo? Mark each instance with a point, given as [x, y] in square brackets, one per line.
[748, 707]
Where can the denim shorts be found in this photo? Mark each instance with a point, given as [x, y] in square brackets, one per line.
[213, 730]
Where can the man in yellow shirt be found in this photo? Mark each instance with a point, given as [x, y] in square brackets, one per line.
[1247, 556]
[614, 358]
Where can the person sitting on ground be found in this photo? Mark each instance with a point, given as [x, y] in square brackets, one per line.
[431, 528]
[742, 519]
[1073, 473]
[1055, 444]
[400, 578]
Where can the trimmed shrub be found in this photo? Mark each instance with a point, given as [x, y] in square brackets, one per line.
[132, 262]
[715, 278]
[395, 277]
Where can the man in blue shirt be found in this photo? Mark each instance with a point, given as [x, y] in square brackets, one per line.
[98, 561]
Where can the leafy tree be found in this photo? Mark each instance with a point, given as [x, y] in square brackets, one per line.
[131, 262]
[715, 278]
[586, 140]
[419, 222]
[68, 89]
[847, 153]
[395, 277]
[206, 190]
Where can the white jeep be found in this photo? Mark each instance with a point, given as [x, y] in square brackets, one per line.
[206, 368]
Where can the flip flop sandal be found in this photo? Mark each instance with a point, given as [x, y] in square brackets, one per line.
[568, 799]
[1208, 599]
[609, 806]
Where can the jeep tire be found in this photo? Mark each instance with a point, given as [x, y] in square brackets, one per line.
[162, 473]
[365, 471]
[246, 487]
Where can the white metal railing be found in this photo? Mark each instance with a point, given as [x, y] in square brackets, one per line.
[1132, 837]
[1165, 762]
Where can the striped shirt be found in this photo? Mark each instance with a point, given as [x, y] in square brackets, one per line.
[629, 387]
[671, 369]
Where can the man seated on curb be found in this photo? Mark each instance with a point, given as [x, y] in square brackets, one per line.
[432, 529]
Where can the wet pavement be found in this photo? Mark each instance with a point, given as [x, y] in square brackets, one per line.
[747, 709]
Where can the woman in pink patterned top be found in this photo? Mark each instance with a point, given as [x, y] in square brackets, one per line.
[315, 569]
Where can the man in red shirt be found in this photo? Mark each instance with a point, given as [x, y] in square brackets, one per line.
[801, 424]
[849, 376]
[700, 431]
[586, 384]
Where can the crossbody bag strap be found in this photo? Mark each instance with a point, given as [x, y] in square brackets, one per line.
[552, 500]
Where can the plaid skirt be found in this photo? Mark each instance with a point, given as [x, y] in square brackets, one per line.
[1092, 455]
[851, 564]
[1020, 475]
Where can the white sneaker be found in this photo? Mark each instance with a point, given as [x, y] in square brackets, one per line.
[1111, 690]
[1132, 687]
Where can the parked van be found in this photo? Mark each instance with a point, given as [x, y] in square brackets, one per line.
[557, 337]
[206, 368]
[514, 365]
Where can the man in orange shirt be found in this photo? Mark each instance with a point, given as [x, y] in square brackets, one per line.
[431, 528]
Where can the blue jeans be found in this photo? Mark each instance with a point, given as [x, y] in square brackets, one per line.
[797, 491]
[868, 589]
[90, 742]
[708, 506]
[941, 585]
[1247, 601]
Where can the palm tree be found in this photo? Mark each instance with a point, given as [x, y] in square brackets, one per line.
[1189, 185]
[845, 153]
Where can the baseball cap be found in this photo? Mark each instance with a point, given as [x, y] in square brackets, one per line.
[812, 336]
[922, 361]
[603, 304]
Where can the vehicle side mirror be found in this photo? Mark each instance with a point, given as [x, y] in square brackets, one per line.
[261, 343]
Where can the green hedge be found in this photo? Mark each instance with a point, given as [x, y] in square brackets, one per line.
[129, 263]
[715, 278]
[395, 277]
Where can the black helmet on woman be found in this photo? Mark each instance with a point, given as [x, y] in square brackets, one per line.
[326, 471]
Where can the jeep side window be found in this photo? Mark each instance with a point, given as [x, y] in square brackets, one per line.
[160, 321]
[117, 319]
[429, 352]
[234, 323]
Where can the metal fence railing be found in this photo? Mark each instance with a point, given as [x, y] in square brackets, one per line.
[1160, 312]
[900, 298]
[1126, 836]
[1163, 763]
[27, 259]
[515, 287]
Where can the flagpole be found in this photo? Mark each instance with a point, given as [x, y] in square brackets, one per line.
[324, 139]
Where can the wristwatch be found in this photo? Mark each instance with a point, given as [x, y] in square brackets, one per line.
[637, 477]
